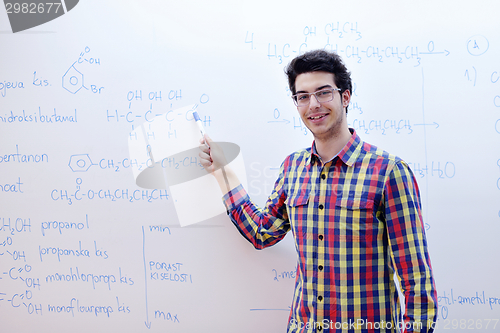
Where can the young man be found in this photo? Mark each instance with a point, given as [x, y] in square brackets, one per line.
[354, 211]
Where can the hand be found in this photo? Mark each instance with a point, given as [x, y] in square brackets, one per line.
[214, 161]
[211, 156]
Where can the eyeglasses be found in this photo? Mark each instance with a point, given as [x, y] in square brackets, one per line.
[322, 96]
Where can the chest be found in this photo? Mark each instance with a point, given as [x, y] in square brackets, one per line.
[336, 202]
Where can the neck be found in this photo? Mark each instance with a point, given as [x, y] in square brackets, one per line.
[328, 147]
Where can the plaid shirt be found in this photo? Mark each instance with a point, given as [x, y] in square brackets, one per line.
[356, 220]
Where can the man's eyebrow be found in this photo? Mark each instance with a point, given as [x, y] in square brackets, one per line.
[323, 87]
[317, 89]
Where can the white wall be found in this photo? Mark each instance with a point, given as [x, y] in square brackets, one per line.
[427, 88]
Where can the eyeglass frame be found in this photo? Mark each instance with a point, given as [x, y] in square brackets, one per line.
[296, 102]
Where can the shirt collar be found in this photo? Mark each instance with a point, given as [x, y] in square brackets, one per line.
[349, 154]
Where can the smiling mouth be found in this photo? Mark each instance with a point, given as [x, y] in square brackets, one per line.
[317, 117]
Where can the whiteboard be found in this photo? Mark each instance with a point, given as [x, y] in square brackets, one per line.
[83, 248]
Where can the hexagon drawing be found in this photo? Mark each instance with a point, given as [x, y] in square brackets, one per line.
[72, 80]
[80, 163]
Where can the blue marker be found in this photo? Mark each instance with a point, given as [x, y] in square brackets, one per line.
[200, 125]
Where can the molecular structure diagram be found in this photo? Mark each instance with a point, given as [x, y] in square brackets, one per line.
[72, 80]
[80, 163]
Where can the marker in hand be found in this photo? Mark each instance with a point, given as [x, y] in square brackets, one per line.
[200, 125]
[202, 131]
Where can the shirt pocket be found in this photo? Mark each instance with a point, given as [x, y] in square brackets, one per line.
[354, 218]
[297, 207]
[298, 200]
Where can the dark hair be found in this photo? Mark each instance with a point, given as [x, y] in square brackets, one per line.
[319, 60]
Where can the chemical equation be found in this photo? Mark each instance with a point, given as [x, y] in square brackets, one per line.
[83, 162]
[146, 114]
[388, 126]
[73, 79]
[79, 195]
[13, 226]
[21, 273]
[296, 122]
[333, 29]
[441, 170]
[385, 126]
[156, 96]
[342, 38]
[23, 300]
[373, 126]
[359, 54]
[23, 283]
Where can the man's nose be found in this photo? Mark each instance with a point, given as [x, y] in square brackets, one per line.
[313, 102]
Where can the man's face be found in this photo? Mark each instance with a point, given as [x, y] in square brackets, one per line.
[324, 120]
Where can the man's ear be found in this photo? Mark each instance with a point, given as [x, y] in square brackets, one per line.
[346, 98]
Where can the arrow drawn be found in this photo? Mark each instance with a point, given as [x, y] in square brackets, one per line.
[433, 124]
[280, 121]
[445, 52]
[147, 322]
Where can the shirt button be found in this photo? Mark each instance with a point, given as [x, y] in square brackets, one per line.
[320, 267]
[323, 176]
[320, 298]
[320, 328]
[320, 237]
[321, 206]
